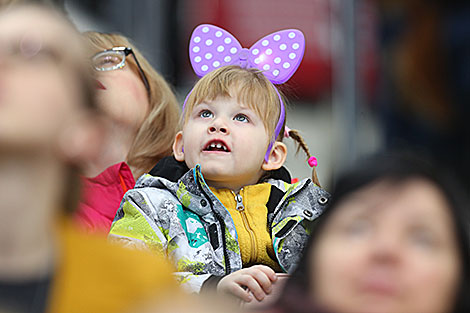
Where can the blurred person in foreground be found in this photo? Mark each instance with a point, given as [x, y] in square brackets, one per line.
[142, 114]
[50, 126]
[395, 239]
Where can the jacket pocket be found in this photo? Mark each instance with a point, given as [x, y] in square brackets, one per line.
[285, 226]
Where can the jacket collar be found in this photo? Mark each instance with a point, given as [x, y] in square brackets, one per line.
[190, 184]
[171, 169]
[110, 176]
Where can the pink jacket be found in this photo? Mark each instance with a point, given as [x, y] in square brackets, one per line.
[101, 197]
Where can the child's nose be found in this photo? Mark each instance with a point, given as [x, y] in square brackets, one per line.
[216, 129]
[218, 125]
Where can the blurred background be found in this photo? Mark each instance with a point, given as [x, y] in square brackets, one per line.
[376, 75]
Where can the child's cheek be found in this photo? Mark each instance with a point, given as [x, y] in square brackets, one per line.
[190, 153]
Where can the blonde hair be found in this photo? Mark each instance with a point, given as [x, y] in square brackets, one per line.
[250, 87]
[155, 136]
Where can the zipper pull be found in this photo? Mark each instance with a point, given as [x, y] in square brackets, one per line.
[239, 200]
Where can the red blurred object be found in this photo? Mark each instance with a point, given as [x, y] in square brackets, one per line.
[250, 20]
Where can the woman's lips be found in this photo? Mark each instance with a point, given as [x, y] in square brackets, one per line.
[99, 85]
[379, 286]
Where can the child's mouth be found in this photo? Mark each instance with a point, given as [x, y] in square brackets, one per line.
[216, 145]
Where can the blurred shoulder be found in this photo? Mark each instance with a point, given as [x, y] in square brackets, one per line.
[89, 266]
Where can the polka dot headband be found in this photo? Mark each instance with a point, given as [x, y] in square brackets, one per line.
[277, 55]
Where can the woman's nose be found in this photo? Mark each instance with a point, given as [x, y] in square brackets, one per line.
[386, 248]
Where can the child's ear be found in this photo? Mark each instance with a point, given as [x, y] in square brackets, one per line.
[276, 158]
[178, 150]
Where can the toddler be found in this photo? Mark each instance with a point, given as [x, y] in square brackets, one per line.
[223, 208]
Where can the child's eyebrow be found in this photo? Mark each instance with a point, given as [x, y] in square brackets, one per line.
[203, 104]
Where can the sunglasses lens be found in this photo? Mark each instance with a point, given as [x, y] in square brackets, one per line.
[108, 60]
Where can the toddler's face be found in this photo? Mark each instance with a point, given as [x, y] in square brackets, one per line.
[228, 139]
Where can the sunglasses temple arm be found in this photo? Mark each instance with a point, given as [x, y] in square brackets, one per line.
[142, 74]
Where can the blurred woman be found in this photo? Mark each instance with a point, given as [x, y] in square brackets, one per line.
[50, 126]
[142, 114]
[394, 240]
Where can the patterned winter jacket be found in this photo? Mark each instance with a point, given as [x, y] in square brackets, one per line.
[178, 215]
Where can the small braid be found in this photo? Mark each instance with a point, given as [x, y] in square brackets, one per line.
[295, 135]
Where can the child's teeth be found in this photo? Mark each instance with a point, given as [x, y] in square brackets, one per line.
[217, 146]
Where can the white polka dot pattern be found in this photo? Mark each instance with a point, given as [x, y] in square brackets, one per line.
[278, 55]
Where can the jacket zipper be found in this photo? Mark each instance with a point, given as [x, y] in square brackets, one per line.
[241, 210]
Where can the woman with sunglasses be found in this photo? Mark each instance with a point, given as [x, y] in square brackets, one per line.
[142, 114]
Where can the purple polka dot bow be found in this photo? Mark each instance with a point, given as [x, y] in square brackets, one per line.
[278, 55]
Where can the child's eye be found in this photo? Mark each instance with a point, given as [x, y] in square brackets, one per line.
[241, 118]
[206, 114]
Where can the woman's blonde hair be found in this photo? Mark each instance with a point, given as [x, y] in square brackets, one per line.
[155, 136]
[250, 87]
